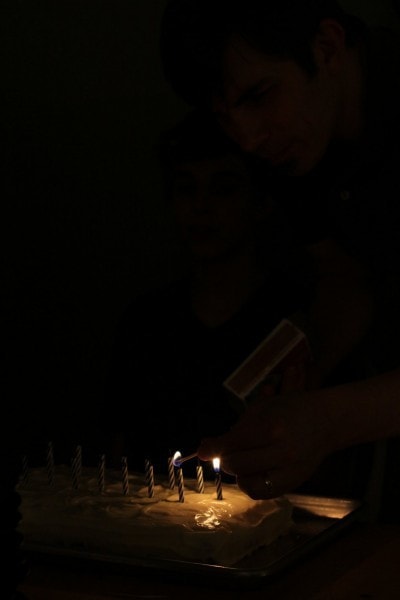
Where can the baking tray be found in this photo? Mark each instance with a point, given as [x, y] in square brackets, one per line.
[316, 520]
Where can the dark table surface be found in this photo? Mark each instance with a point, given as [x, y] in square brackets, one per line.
[363, 561]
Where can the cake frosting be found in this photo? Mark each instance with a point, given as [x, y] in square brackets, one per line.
[202, 528]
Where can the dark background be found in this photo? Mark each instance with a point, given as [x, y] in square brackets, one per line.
[85, 225]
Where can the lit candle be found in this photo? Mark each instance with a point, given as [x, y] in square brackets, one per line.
[125, 480]
[171, 472]
[50, 463]
[102, 468]
[200, 479]
[149, 478]
[218, 482]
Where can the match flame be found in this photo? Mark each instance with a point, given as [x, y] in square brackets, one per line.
[175, 459]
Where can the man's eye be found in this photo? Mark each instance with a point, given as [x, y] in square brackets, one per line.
[258, 96]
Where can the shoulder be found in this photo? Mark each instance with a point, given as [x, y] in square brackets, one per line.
[383, 69]
[305, 207]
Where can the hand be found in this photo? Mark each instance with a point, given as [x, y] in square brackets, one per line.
[295, 378]
[281, 440]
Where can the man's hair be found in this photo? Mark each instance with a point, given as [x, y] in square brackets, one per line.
[194, 34]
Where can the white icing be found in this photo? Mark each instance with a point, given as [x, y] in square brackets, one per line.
[202, 528]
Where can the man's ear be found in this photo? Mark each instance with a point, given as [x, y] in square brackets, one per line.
[330, 45]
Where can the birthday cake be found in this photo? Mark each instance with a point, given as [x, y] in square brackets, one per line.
[126, 522]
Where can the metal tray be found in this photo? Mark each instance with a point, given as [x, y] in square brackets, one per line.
[317, 520]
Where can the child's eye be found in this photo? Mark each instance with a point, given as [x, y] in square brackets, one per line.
[258, 96]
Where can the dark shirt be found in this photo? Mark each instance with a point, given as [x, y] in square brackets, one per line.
[353, 196]
[168, 368]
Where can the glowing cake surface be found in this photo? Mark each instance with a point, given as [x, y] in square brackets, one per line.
[202, 528]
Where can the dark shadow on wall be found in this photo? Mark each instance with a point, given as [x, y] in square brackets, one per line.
[82, 104]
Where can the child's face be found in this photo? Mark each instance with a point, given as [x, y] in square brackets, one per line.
[214, 207]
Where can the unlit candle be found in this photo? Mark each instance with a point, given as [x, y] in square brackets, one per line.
[179, 477]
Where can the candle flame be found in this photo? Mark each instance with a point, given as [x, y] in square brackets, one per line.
[175, 459]
[216, 464]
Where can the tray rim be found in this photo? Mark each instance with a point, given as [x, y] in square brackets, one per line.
[235, 574]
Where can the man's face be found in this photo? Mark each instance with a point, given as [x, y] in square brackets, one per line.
[274, 109]
[213, 203]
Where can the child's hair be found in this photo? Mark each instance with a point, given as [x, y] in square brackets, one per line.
[198, 136]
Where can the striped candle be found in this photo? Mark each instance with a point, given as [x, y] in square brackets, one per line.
[125, 476]
[200, 479]
[24, 471]
[102, 469]
[218, 483]
[179, 477]
[171, 472]
[50, 463]
[79, 460]
[149, 471]
[76, 466]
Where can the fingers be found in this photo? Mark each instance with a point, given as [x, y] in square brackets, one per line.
[294, 379]
[265, 392]
[234, 454]
[265, 472]
[275, 482]
[252, 433]
[211, 447]
[254, 471]
[249, 461]
[241, 436]
[261, 486]
[252, 460]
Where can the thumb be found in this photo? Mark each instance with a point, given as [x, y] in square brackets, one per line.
[210, 447]
[294, 379]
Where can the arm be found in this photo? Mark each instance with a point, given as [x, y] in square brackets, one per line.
[341, 309]
[285, 439]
